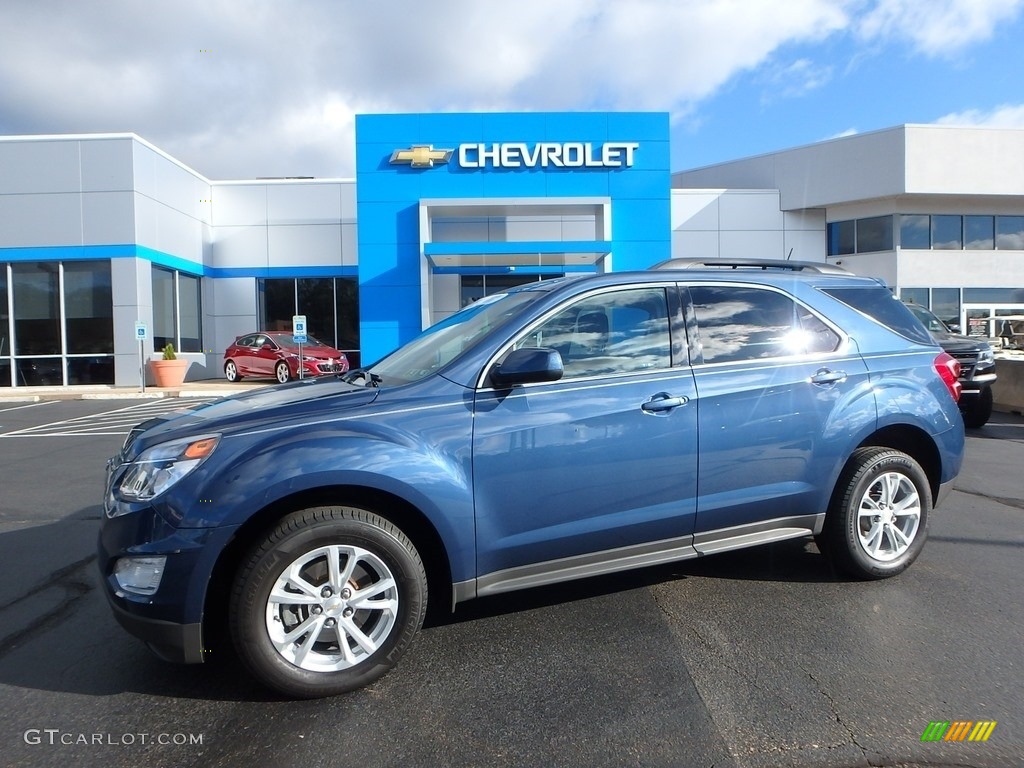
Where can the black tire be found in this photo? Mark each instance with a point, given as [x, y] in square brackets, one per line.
[281, 372]
[885, 481]
[377, 566]
[979, 410]
[231, 372]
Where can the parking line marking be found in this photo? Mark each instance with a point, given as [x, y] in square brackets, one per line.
[97, 424]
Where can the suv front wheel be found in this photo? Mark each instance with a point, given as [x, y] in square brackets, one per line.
[328, 602]
[877, 522]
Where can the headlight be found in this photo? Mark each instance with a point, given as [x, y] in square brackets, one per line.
[158, 468]
[986, 356]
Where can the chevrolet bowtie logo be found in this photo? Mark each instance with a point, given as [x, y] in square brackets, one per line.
[421, 156]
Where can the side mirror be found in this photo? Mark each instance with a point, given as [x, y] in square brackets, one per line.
[528, 365]
[954, 328]
[266, 345]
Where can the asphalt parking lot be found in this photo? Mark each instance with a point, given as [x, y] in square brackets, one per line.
[757, 658]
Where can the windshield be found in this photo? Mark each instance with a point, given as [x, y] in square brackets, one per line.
[287, 340]
[441, 343]
[930, 321]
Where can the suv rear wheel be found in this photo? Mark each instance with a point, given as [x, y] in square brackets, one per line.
[877, 522]
[328, 602]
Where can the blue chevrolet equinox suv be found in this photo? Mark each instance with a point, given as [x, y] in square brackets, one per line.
[569, 428]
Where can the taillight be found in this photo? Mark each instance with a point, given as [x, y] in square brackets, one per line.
[949, 371]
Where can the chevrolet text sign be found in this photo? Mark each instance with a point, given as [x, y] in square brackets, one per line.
[571, 154]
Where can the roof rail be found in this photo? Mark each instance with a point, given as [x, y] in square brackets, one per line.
[817, 267]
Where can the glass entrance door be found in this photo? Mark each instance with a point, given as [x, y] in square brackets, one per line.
[1003, 323]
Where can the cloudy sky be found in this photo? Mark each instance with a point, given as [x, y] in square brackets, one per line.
[249, 88]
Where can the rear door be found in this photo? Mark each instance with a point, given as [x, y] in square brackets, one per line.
[776, 383]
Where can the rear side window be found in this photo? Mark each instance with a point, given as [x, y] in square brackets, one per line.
[738, 323]
[878, 303]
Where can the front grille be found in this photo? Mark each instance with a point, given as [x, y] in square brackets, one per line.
[968, 361]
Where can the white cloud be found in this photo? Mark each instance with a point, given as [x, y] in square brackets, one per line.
[249, 87]
[1004, 116]
[936, 27]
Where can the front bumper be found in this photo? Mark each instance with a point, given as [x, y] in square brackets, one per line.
[179, 643]
[170, 620]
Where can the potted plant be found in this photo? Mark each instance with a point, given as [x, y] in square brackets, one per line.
[169, 371]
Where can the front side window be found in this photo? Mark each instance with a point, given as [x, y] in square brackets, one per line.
[737, 323]
[608, 333]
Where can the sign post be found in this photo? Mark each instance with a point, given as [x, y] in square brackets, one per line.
[299, 336]
[142, 333]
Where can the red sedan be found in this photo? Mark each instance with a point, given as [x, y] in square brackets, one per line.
[272, 354]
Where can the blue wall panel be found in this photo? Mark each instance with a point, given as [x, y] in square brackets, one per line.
[388, 196]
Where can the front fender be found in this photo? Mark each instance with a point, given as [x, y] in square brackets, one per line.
[433, 476]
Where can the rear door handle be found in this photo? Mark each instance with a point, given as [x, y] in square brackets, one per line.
[825, 376]
[663, 401]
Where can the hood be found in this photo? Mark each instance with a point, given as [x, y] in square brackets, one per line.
[317, 351]
[260, 407]
[955, 342]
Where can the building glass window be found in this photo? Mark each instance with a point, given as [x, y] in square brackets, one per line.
[946, 304]
[330, 304]
[190, 323]
[915, 231]
[874, 234]
[842, 238]
[177, 310]
[474, 287]
[993, 295]
[163, 308]
[5, 331]
[917, 296]
[979, 233]
[89, 307]
[36, 288]
[1010, 233]
[947, 233]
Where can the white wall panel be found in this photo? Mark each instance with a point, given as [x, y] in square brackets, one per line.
[459, 230]
[446, 294]
[107, 165]
[39, 166]
[743, 210]
[513, 230]
[239, 205]
[239, 247]
[806, 245]
[40, 220]
[702, 245]
[108, 218]
[753, 244]
[178, 234]
[694, 210]
[349, 245]
[312, 246]
[304, 203]
[348, 201]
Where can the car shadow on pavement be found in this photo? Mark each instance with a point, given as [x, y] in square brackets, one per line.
[1002, 426]
[57, 632]
[796, 560]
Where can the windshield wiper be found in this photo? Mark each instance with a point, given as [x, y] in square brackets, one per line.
[361, 376]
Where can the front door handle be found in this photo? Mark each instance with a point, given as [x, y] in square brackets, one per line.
[663, 401]
[825, 376]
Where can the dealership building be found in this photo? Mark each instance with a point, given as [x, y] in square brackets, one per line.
[101, 235]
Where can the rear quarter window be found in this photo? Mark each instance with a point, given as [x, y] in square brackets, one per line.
[878, 303]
